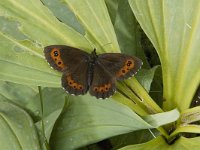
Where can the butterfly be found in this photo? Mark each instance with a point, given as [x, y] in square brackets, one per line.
[83, 72]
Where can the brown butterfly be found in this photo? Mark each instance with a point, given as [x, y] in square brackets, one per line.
[97, 73]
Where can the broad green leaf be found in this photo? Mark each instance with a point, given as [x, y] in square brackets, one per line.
[160, 144]
[21, 64]
[17, 94]
[26, 27]
[159, 119]
[94, 17]
[145, 77]
[53, 104]
[17, 130]
[190, 115]
[112, 6]
[128, 31]
[156, 90]
[135, 137]
[28, 98]
[39, 24]
[87, 121]
[186, 128]
[64, 14]
[173, 28]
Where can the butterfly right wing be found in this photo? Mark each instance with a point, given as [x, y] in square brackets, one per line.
[103, 83]
[120, 65]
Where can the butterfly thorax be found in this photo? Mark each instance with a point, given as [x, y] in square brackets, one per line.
[93, 57]
[92, 61]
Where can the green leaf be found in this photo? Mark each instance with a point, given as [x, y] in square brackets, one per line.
[190, 115]
[128, 31]
[64, 14]
[94, 17]
[145, 77]
[87, 121]
[135, 137]
[159, 119]
[53, 101]
[17, 130]
[173, 28]
[29, 99]
[160, 144]
[112, 6]
[25, 28]
[39, 24]
[20, 95]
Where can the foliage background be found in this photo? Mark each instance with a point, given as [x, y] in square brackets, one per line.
[39, 117]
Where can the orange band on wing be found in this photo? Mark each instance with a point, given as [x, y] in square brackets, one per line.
[74, 84]
[103, 88]
[55, 55]
[129, 64]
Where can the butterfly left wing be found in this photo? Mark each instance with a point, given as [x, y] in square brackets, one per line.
[60, 57]
[103, 83]
[75, 78]
[119, 65]
[74, 63]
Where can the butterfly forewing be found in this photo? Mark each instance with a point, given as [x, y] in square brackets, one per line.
[103, 83]
[119, 65]
[60, 56]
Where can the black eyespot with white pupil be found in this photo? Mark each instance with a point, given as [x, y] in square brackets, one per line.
[55, 53]
[129, 63]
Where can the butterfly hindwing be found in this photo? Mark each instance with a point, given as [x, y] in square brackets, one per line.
[60, 56]
[75, 78]
[119, 65]
[103, 84]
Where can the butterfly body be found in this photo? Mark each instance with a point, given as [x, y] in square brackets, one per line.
[83, 72]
